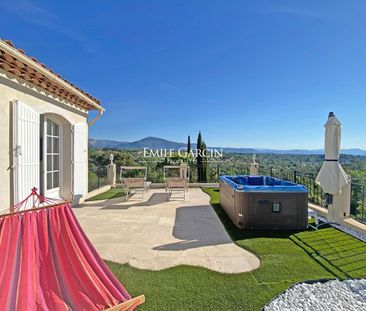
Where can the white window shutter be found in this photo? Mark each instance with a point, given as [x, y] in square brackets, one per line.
[26, 160]
[80, 161]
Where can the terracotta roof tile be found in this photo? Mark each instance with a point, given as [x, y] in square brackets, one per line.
[24, 71]
[8, 42]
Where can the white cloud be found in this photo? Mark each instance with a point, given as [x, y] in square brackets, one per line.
[304, 12]
[168, 86]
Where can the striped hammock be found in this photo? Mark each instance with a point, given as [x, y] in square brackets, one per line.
[48, 263]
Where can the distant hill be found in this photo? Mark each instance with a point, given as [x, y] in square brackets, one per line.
[103, 143]
[159, 143]
[152, 143]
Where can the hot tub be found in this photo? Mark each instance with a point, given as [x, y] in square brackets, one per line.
[264, 203]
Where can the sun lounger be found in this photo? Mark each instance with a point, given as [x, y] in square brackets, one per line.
[177, 184]
[138, 184]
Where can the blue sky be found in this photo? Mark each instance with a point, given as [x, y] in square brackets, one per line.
[246, 73]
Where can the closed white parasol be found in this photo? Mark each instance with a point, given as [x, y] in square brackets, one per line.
[332, 178]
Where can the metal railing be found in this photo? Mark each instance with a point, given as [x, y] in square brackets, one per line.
[317, 195]
[98, 177]
[210, 173]
[281, 173]
[358, 202]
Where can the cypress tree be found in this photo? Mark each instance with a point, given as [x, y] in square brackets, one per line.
[204, 176]
[199, 157]
[189, 145]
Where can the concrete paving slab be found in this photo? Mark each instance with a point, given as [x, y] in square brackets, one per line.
[157, 233]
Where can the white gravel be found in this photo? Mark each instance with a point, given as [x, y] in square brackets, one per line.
[349, 295]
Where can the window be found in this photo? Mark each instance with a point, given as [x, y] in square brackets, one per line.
[52, 155]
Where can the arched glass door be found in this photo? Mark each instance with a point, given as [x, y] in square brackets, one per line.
[52, 160]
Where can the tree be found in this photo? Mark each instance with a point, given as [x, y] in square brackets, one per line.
[204, 176]
[199, 157]
[189, 145]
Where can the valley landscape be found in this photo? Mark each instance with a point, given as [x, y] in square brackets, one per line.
[233, 161]
[160, 143]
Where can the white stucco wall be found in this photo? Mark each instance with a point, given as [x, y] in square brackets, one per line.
[44, 103]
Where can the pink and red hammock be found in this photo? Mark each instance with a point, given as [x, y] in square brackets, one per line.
[48, 263]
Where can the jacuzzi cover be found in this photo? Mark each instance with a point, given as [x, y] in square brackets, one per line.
[261, 184]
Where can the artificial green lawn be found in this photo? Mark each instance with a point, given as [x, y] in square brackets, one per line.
[109, 194]
[286, 258]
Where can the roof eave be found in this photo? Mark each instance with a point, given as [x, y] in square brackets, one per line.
[16, 54]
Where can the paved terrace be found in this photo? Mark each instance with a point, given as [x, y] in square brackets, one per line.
[156, 233]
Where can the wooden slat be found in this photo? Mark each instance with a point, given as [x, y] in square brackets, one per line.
[35, 209]
[125, 306]
[134, 167]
